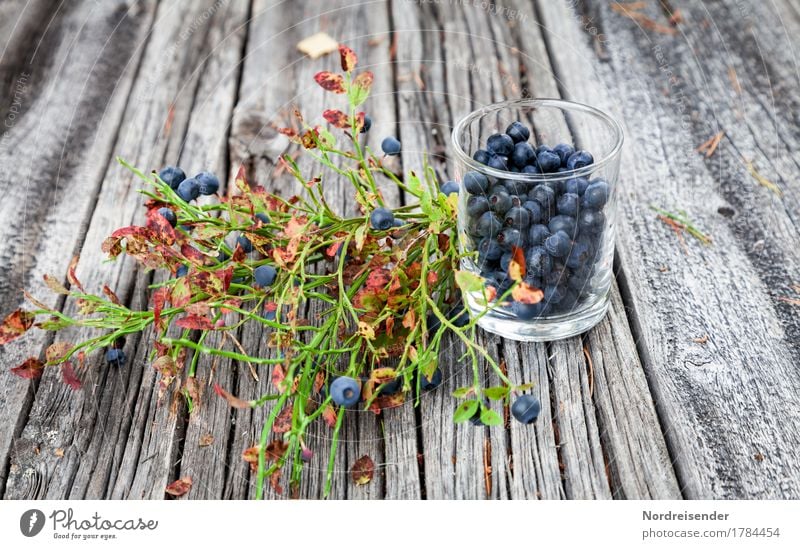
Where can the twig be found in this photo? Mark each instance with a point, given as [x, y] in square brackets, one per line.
[710, 145]
[591, 370]
[763, 181]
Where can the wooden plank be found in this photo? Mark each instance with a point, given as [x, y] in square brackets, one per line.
[70, 420]
[38, 236]
[727, 406]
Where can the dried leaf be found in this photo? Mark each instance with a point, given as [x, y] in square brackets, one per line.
[525, 293]
[348, 58]
[160, 297]
[206, 440]
[15, 324]
[179, 487]
[283, 421]
[516, 267]
[69, 376]
[71, 273]
[317, 45]
[195, 322]
[330, 81]
[364, 81]
[56, 352]
[337, 118]
[329, 416]
[363, 470]
[109, 293]
[234, 402]
[54, 284]
[30, 369]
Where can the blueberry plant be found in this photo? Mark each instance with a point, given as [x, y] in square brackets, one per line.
[386, 286]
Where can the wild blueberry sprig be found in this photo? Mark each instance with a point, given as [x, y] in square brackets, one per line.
[384, 287]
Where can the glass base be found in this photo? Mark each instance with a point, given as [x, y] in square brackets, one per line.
[548, 328]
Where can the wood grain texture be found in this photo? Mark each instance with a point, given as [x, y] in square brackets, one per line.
[726, 404]
[214, 97]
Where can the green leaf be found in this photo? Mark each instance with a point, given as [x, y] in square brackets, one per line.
[414, 184]
[469, 282]
[465, 411]
[496, 393]
[524, 387]
[327, 138]
[490, 417]
[461, 392]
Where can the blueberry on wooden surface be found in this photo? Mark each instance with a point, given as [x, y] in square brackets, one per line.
[450, 187]
[381, 219]
[172, 176]
[367, 124]
[207, 182]
[182, 270]
[188, 190]
[244, 243]
[169, 215]
[526, 409]
[345, 391]
[265, 275]
[427, 384]
[264, 218]
[390, 146]
[115, 357]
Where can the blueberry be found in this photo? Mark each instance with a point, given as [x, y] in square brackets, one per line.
[367, 124]
[244, 243]
[534, 210]
[563, 223]
[527, 311]
[477, 205]
[567, 204]
[489, 225]
[476, 418]
[426, 384]
[539, 261]
[381, 219]
[557, 276]
[537, 234]
[533, 281]
[169, 215]
[578, 254]
[115, 357]
[498, 162]
[576, 185]
[433, 323]
[509, 237]
[518, 217]
[182, 270]
[489, 249]
[458, 315]
[476, 183]
[265, 275]
[531, 168]
[526, 409]
[554, 294]
[390, 387]
[579, 278]
[500, 203]
[563, 151]
[544, 195]
[172, 176]
[505, 261]
[569, 300]
[596, 194]
[523, 154]
[345, 391]
[548, 161]
[501, 281]
[207, 182]
[579, 159]
[542, 148]
[482, 156]
[390, 146]
[514, 187]
[517, 131]
[450, 187]
[264, 218]
[188, 190]
[557, 244]
[591, 221]
[500, 143]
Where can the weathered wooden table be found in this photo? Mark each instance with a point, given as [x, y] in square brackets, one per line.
[689, 388]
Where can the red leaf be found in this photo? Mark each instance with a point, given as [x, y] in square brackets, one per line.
[111, 295]
[160, 227]
[57, 351]
[491, 293]
[330, 252]
[179, 487]
[71, 273]
[234, 402]
[377, 279]
[330, 81]
[525, 293]
[359, 122]
[364, 80]
[181, 293]
[30, 369]
[363, 470]
[195, 322]
[337, 118]
[160, 297]
[69, 376]
[193, 254]
[283, 422]
[278, 375]
[348, 58]
[516, 267]
[15, 324]
[329, 416]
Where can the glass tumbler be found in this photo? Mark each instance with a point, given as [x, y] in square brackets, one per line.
[536, 215]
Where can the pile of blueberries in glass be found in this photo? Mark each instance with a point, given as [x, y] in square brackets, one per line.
[557, 222]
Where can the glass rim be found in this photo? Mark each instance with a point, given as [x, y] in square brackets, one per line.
[562, 104]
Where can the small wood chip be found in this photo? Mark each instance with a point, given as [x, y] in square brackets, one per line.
[759, 457]
[734, 80]
[179, 487]
[701, 340]
[59, 452]
[318, 45]
[710, 145]
[206, 440]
